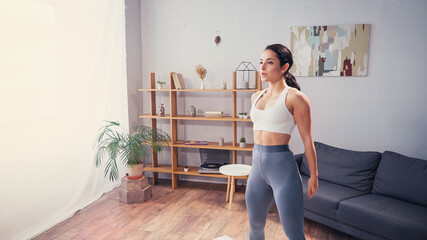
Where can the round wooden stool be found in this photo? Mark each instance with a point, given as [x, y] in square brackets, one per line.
[232, 171]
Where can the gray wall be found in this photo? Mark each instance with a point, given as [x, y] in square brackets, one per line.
[133, 59]
[383, 111]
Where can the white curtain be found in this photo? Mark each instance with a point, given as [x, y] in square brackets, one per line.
[62, 73]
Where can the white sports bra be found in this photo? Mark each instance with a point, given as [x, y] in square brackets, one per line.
[275, 118]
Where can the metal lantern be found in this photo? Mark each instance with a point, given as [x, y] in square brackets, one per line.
[246, 76]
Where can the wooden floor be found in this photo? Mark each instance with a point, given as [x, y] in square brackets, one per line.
[193, 211]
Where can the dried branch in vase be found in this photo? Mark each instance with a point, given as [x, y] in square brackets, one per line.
[201, 71]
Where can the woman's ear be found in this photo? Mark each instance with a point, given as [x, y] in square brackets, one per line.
[285, 68]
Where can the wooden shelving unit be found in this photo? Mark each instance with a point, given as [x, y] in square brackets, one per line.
[173, 117]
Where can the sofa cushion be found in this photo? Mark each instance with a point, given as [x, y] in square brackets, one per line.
[387, 217]
[352, 169]
[402, 177]
[328, 195]
[298, 158]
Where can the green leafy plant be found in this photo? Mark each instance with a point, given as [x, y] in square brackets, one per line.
[161, 83]
[130, 148]
[242, 139]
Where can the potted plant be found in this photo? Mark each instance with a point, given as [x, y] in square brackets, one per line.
[243, 115]
[130, 148]
[160, 84]
[242, 142]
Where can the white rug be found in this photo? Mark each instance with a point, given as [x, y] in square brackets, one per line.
[225, 237]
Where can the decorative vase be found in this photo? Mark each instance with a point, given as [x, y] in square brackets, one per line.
[224, 85]
[221, 141]
[161, 111]
[202, 84]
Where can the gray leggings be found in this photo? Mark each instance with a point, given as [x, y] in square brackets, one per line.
[275, 174]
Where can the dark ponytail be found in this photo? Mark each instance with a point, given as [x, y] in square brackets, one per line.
[291, 81]
[285, 56]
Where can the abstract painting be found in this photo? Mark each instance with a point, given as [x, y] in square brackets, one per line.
[337, 50]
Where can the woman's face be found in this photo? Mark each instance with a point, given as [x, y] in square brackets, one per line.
[270, 69]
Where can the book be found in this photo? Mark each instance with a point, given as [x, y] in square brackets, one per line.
[213, 114]
[196, 143]
[178, 80]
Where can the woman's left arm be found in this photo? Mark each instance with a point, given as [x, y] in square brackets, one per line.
[302, 116]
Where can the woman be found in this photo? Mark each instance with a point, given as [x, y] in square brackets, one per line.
[275, 111]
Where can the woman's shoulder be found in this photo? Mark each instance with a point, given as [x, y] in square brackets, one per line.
[256, 94]
[296, 96]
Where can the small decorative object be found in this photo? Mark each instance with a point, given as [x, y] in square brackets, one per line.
[217, 38]
[242, 142]
[245, 84]
[192, 110]
[160, 84]
[245, 73]
[221, 142]
[185, 169]
[334, 50]
[201, 71]
[224, 85]
[161, 111]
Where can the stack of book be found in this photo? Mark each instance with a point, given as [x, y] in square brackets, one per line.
[213, 114]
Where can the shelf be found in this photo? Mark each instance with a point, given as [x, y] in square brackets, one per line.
[197, 90]
[193, 171]
[214, 145]
[167, 116]
[153, 90]
[202, 117]
[197, 117]
[175, 145]
[163, 168]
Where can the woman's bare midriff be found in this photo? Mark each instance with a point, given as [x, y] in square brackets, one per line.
[271, 138]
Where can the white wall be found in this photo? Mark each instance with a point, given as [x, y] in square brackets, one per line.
[383, 111]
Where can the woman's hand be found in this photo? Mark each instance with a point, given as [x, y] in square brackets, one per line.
[312, 186]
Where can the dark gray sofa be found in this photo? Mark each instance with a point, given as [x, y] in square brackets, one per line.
[369, 195]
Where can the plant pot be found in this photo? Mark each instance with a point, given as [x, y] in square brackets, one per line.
[134, 177]
[135, 171]
[159, 86]
[242, 144]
